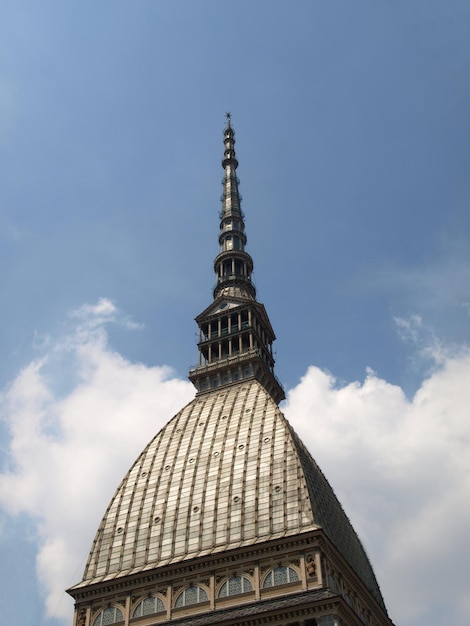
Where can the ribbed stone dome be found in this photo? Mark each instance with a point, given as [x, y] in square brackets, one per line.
[225, 472]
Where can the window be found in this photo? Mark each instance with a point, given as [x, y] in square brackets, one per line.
[148, 606]
[235, 585]
[111, 615]
[280, 576]
[191, 595]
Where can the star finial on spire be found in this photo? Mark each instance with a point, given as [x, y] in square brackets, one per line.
[228, 117]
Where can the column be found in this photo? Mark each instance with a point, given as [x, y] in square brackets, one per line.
[256, 577]
[127, 612]
[303, 573]
[212, 591]
[169, 600]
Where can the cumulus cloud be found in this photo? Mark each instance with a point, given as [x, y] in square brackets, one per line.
[401, 469]
[79, 415]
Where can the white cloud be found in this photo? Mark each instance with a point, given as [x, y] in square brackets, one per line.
[104, 307]
[78, 418]
[401, 469]
[80, 415]
[428, 347]
[104, 311]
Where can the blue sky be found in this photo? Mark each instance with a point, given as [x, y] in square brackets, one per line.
[352, 131]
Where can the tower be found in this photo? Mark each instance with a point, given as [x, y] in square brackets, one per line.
[225, 518]
[235, 334]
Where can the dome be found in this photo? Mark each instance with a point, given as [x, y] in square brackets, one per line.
[227, 471]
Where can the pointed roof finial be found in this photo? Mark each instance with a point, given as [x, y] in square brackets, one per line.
[228, 117]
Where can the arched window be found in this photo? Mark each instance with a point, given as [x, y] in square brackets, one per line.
[111, 615]
[152, 604]
[280, 576]
[235, 585]
[191, 595]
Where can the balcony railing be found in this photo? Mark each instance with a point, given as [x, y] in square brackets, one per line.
[233, 360]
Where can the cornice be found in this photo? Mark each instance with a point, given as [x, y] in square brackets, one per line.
[199, 565]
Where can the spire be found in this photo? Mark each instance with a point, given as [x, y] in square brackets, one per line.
[233, 266]
[235, 334]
